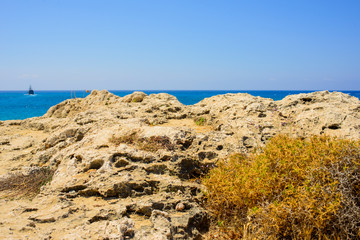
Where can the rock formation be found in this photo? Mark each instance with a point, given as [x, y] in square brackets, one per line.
[129, 167]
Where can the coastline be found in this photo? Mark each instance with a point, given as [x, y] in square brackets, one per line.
[18, 105]
[131, 162]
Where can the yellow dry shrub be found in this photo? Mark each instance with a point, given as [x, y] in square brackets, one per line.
[292, 189]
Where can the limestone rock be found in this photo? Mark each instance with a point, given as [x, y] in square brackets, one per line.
[124, 167]
[134, 97]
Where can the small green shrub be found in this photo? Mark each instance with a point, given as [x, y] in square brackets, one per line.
[26, 185]
[294, 189]
[200, 121]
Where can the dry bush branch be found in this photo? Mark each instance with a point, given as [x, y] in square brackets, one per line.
[293, 189]
[151, 144]
[19, 185]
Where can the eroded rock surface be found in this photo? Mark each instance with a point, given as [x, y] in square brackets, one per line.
[126, 168]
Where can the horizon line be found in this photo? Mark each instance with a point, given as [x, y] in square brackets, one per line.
[185, 90]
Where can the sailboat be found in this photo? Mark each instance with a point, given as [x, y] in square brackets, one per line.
[30, 92]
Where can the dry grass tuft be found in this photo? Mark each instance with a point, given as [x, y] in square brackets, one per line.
[127, 139]
[155, 143]
[294, 189]
[19, 185]
[151, 144]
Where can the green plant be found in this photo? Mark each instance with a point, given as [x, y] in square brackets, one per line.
[200, 121]
[294, 188]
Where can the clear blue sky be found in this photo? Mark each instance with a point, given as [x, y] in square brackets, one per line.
[180, 44]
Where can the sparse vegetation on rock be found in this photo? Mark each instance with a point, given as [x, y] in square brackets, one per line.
[131, 168]
[200, 121]
[18, 185]
[151, 144]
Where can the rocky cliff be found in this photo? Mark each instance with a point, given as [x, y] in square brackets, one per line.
[129, 167]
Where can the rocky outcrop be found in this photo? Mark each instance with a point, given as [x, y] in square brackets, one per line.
[128, 167]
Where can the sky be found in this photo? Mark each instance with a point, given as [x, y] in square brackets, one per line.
[180, 44]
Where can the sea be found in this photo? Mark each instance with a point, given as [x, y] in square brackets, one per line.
[19, 105]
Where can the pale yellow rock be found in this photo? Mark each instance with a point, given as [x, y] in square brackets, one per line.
[101, 189]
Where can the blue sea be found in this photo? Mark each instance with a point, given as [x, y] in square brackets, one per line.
[19, 105]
